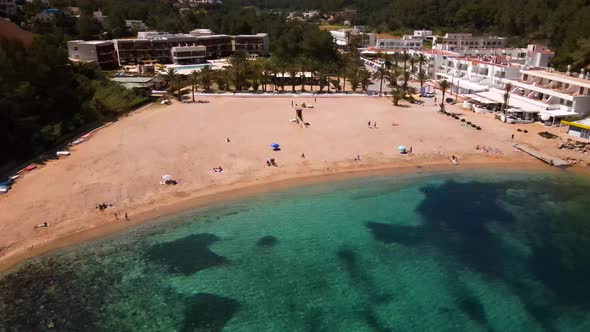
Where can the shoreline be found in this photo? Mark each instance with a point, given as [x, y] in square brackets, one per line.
[244, 189]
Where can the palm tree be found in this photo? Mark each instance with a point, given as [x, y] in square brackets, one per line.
[281, 67]
[222, 79]
[365, 78]
[194, 79]
[422, 78]
[444, 86]
[292, 70]
[412, 61]
[255, 73]
[422, 60]
[206, 76]
[322, 73]
[406, 78]
[303, 65]
[405, 57]
[171, 76]
[380, 75]
[267, 73]
[387, 60]
[239, 68]
[353, 77]
[507, 89]
[391, 78]
[397, 94]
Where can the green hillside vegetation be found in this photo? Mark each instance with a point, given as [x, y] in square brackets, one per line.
[44, 98]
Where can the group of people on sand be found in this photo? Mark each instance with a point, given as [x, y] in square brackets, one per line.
[488, 149]
[271, 162]
[104, 206]
[218, 169]
[373, 125]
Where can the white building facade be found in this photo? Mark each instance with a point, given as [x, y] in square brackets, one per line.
[407, 42]
[344, 37]
[189, 55]
[563, 96]
[461, 42]
[470, 75]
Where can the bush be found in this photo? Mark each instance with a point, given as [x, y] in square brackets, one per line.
[478, 128]
[462, 120]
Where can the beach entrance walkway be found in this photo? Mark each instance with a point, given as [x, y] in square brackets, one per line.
[553, 161]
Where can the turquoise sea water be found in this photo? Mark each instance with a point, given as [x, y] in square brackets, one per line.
[475, 252]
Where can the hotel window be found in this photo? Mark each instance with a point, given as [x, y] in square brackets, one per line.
[569, 103]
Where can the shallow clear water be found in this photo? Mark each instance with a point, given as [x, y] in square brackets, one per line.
[477, 252]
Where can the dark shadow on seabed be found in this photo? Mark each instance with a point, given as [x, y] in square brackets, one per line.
[458, 218]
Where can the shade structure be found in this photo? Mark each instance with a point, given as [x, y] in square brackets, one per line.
[167, 177]
[275, 145]
[401, 148]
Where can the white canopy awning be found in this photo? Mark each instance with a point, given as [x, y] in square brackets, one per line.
[560, 113]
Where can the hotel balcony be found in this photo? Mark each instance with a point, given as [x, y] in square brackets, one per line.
[540, 89]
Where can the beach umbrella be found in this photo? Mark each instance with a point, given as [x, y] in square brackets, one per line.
[167, 177]
[401, 148]
[274, 145]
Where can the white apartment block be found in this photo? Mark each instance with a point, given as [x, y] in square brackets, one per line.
[188, 55]
[136, 25]
[422, 34]
[407, 42]
[344, 37]
[461, 42]
[470, 75]
[435, 60]
[561, 95]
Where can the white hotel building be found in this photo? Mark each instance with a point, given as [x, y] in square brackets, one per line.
[407, 42]
[470, 75]
[462, 42]
[557, 95]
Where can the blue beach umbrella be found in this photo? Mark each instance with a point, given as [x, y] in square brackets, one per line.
[401, 148]
[274, 145]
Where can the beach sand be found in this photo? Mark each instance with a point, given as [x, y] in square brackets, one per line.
[123, 162]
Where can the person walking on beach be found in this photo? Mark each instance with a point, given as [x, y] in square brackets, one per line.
[291, 102]
[369, 124]
[302, 155]
[512, 138]
[126, 217]
[116, 216]
[315, 100]
[375, 124]
[227, 140]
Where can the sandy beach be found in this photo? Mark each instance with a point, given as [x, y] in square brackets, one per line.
[123, 163]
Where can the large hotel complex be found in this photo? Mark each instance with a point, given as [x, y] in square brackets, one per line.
[479, 67]
[165, 48]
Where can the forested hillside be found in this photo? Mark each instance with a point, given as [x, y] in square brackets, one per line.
[564, 24]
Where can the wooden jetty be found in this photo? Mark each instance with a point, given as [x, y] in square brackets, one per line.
[553, 161]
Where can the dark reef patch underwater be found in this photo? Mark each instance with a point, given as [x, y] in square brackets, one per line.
[440, 252]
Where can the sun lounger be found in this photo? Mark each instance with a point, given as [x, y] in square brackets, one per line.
[30, 168]
[63, 153]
